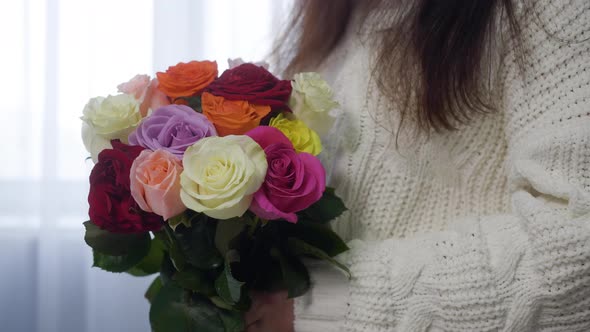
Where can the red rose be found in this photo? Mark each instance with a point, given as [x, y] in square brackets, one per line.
[254, 84]
[111, 205]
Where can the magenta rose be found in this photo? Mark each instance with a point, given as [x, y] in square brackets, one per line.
[172, 128]
[254, 84]
[293, 182]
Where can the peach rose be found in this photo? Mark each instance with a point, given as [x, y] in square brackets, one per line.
[187, 79]
[145, 90]
[155, 183]
[232, 117]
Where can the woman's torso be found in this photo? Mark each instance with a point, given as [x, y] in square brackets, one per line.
[417, 186]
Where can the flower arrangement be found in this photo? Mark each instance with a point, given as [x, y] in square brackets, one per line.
[213, 183]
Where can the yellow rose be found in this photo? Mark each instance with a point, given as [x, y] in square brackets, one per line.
[303, 138]
[221, 174]
[105, 119]
[311, 101]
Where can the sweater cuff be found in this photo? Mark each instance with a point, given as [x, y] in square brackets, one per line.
[326, 302]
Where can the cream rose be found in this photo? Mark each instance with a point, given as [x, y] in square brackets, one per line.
[221, 174]
[105, 119]
[311, 102]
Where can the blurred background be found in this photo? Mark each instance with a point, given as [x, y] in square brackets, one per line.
[56, 54]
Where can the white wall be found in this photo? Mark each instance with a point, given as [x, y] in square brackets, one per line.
[55, 55]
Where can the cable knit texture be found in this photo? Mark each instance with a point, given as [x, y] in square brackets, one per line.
[482, 229]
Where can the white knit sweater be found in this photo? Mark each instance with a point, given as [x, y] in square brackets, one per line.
[483, 229]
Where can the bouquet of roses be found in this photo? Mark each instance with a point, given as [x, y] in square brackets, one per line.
[213, 182]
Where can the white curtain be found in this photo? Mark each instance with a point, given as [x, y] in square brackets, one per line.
[55, 55]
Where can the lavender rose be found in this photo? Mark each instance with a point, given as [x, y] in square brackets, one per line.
[172, 128]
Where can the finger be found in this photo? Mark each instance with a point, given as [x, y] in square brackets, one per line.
[281, 318]
[257, 309]
[253, 315]
[270, 312]
[263, 325]
[254, 326]
[276, 297]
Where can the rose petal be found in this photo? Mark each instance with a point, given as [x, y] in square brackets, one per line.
[266, 136]
[263, 208]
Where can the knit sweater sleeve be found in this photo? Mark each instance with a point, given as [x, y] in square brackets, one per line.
[528, 270]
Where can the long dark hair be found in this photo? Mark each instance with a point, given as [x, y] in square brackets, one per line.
[432, 61]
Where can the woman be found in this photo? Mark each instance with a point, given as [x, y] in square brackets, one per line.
[463, 154]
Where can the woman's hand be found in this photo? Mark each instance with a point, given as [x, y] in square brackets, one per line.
[270, 312]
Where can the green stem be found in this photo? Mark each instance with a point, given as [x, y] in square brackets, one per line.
[254, 226]
[162, 236]
[170, 234]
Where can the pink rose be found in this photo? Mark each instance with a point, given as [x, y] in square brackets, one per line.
[146, 92]
[155, 183]
[293, 182]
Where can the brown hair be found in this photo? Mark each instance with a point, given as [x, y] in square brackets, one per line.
[433, 57]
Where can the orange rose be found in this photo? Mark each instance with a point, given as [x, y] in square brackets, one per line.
[187, 79]
[232, 117]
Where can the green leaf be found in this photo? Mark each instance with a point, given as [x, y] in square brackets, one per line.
[162, 235]
[196, 281]
[298, 247]
[177, 258]
[193, 102]
[151, 263]
[167, 270]
[153, 290]
[270, 279]
[232, 321]
[327, 208]
[317, 235]
[136, 272]
[219, 302]
[182, 218]
[228, 287]
[226, 232]
[175, 253]
[175, 310]
[242, 306]
[112, 244]
[125, 262]
[197, 243]
[295, 274]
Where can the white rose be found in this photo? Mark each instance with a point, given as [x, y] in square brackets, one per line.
[311, 102]
[233, 63]
[104, 119]
[221, 174]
